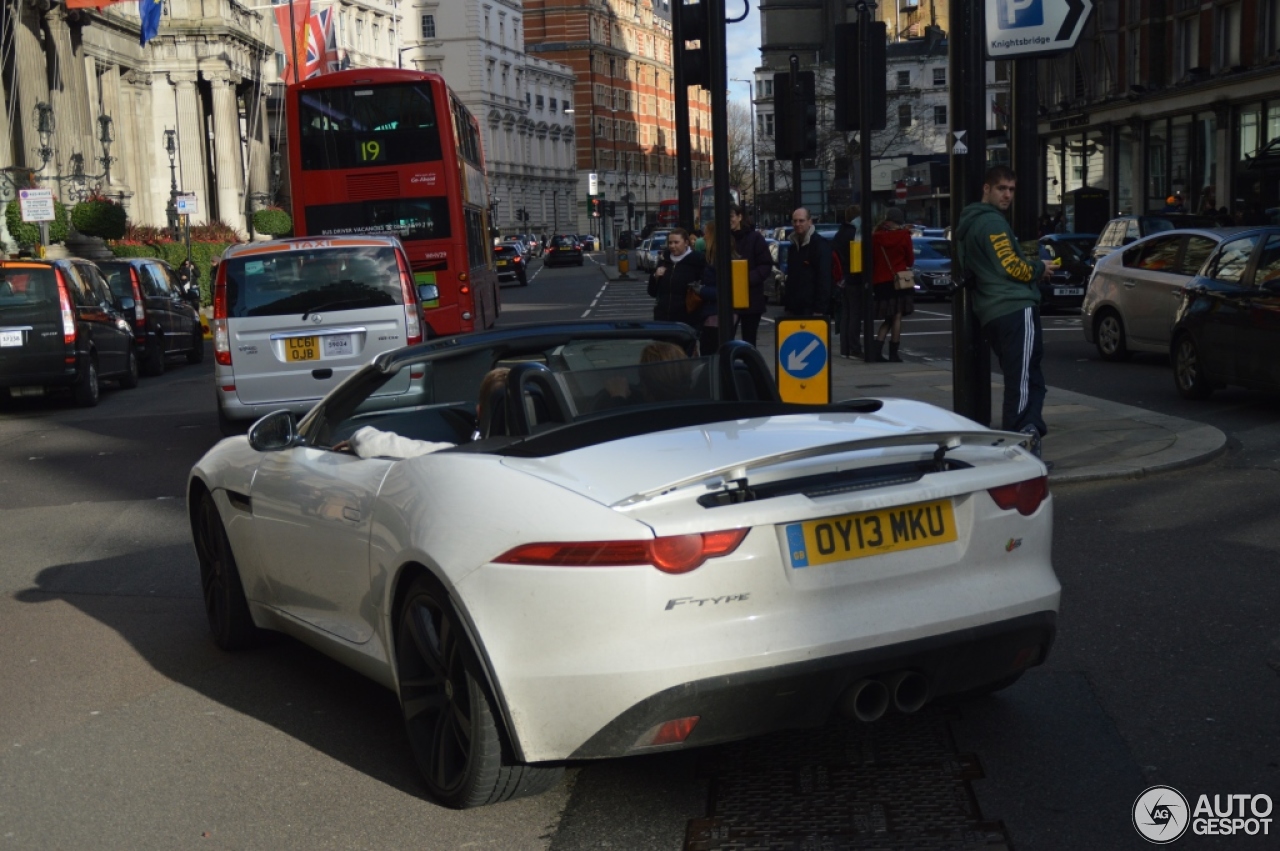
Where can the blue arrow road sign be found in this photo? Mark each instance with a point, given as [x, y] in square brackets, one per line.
[803, 355]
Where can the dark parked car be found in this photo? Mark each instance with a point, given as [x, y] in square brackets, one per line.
[564, 249]
[1227, 329]
[1074, 253]
[511, 265]
[165, 320]
[60, 326]
[1123, 230]
[933, 267]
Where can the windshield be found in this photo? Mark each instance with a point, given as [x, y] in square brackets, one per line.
[329, 279]
[367, 126]
[932, 249]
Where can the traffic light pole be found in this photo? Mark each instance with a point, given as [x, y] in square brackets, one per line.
[866, 71]
[684, 172]
[1026, 147]
[797, 99]
[717, 58]
[970, 357]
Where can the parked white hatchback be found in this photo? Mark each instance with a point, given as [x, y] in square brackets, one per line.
[1133, 293]
[293, 317]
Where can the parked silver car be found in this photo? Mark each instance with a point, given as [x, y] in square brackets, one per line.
[1134, 292]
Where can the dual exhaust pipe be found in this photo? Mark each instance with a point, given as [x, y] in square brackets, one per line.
[869, 699]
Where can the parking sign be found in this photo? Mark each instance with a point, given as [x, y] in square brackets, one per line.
[1022, 28]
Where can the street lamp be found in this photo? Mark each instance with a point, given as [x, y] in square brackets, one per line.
[752, 110]
[171, 148]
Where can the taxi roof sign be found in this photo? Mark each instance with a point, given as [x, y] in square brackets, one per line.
[803, 360]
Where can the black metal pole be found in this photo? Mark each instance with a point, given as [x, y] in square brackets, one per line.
[1026, 148]
[684, 172]
[717, 58]
[797, 94]
[865, 135]
[971, 359]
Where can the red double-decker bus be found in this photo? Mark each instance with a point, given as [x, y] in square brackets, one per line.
[389, 151]
[668, 213]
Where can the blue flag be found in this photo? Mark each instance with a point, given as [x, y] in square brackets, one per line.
[149, 10]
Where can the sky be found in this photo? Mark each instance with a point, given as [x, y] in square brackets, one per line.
[743, 48]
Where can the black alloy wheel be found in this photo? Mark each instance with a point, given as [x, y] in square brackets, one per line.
[224, 600]
[86, 390]
[129, 380]
[1188, 370]
[448, 715]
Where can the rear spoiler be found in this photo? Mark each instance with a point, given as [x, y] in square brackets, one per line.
[942, 441]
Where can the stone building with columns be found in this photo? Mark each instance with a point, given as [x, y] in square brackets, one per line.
[204, 77]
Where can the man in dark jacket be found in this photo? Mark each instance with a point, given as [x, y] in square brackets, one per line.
[1006, 300]
[752, 248]
[679, 269]
[808, 269]
[849, 318]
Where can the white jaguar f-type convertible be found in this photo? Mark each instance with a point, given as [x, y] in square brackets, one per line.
[620, 550]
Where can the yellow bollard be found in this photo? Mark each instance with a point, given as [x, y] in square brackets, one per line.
[623, 265]
[741, 290]
[855, 257]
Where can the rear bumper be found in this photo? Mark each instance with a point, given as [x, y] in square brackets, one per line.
[804, 694]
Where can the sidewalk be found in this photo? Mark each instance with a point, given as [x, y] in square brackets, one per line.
[1089, 438]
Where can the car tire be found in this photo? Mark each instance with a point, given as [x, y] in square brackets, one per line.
[1109, 337]
[129, 380]
[1188, 369]
[524, 281]
[225, 604]
[448, 712]
[153, 363]
[196, 353]
[86, 392]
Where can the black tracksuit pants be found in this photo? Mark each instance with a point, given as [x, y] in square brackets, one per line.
[1018, 343]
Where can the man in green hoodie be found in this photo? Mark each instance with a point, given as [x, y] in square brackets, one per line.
[1007, 300]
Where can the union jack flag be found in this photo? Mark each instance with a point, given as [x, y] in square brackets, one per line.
[323, 55]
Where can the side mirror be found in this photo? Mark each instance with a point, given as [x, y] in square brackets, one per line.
[273, 432]
[428, 293]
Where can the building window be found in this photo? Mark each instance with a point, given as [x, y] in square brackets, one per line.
[904, 115]
[1269, 27]
[538, 101]
[940, 116]
[551, 105]
[428, 26]
[1228, 36]
[940, 76]
[1186, 45]
[904, 79]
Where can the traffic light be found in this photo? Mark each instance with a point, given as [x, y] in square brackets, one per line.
[849, 89]
[795, 107]
[695, 25]
[595, 208]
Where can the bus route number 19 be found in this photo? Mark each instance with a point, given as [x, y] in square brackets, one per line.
[371, 152]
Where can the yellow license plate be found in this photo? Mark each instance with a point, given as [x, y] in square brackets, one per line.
[502, 262]
[871, 533]
[301, 349]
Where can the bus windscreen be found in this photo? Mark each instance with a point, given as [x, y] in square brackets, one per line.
[406, 218]
[367, 126]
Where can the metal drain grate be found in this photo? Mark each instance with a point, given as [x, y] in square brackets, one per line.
[896, 785]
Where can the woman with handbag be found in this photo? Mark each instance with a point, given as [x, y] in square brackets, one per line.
[679, 273]
[892, 280]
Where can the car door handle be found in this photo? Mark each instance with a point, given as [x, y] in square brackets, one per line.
[350, 513]
[1129, 284]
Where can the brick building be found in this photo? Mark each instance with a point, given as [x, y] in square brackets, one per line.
[624, 105]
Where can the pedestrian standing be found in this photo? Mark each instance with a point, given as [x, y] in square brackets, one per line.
[1007, 301]
[808, 269]
[679, 269]
[750, 246]
[849, 314]
[891, 253]
[708, 314]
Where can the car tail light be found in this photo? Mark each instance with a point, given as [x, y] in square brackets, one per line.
[668, 733]
[517, 259]
[139, 311]
[1024, 496]
[412, 321]
[671, 554]
[68, 312]
[221, 337]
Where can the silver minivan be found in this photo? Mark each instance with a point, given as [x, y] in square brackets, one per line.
[293, 317]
